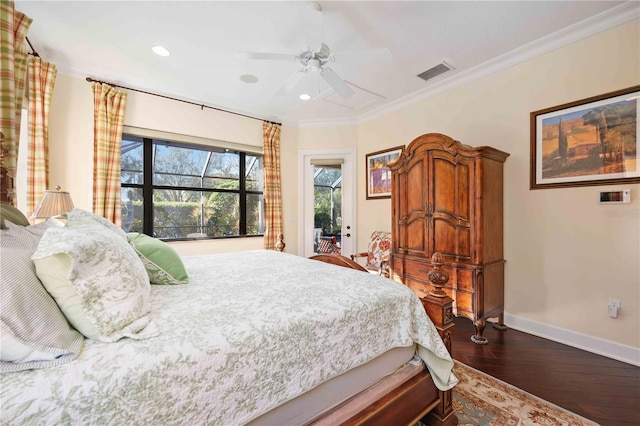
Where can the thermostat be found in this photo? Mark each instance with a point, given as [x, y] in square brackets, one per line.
[623, 196]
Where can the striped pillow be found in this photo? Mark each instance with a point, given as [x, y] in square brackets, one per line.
[33, 331]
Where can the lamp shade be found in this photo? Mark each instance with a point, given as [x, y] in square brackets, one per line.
[53, 203]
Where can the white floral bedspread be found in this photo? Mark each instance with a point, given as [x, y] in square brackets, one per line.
[250, 331]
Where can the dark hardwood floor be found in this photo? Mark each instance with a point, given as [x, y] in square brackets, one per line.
[598, 388]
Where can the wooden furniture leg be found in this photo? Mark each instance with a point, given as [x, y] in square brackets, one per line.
[479, 338]
[500, 324]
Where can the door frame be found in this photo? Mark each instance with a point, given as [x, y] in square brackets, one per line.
[349, 191]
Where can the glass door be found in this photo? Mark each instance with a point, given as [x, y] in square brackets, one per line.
[327, 209]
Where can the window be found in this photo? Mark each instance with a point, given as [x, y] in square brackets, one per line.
[174, 191]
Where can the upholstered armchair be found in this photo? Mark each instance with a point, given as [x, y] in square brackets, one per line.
[377, 254]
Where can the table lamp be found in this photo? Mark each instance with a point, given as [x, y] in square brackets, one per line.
[53, 203]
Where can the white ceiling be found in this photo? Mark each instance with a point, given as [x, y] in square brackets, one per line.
[111, 41]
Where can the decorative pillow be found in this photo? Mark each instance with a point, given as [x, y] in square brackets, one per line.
[96, 278]
[33, 331]
[11, 214]
[78, 218]
[162, 262]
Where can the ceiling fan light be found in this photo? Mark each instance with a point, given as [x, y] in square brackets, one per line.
[160, 50]
[305, 96]
[314, 65]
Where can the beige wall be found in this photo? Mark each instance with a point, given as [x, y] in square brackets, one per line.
[566, 254]
[289, 180]
[328, 137]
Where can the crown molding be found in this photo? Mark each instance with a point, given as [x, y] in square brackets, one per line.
[609, 19]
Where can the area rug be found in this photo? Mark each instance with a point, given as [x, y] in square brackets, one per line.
[482, 400]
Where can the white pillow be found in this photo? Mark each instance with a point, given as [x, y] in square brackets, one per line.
[96, 278]
[77, 218]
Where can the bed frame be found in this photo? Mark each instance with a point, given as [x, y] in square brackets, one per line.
[417, 399]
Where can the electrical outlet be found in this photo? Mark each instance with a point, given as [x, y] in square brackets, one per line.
[614, 305]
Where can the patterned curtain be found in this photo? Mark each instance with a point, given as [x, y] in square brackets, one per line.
[108, 118]
[42, 77]
[13, 62]
[272, 191]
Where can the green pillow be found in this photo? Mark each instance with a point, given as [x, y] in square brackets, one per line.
[162, 262]
[13, 215]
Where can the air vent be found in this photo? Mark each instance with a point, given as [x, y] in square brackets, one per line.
[435, 71]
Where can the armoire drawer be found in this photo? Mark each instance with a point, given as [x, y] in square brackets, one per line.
[459, 278]
[462, 300]
[420, 288]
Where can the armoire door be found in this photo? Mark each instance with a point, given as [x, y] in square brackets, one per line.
[412, 208]
[450, 195]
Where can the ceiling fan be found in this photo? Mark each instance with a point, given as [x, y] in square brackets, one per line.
[315, 60]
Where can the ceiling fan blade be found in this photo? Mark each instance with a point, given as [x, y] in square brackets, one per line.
[268, 56]
[291, 83]
[336, 83]
[363, 55]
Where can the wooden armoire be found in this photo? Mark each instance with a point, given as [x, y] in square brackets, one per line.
[447, 197]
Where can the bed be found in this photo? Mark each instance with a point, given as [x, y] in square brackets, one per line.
[259, 337]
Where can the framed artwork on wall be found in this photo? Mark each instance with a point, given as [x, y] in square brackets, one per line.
[378, 173]
[592, 141]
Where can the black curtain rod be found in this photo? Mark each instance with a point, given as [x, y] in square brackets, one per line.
[33, 51]
[202, 106]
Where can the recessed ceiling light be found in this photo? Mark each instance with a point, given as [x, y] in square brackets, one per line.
[248, 78]
[305, 97]
[160, 50]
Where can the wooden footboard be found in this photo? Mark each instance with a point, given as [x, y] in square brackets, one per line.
[336, 259]
[417, 398]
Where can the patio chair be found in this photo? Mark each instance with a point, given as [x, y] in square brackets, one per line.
[328, 245]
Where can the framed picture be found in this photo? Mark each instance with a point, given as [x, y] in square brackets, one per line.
[378, 174]
[592, 141]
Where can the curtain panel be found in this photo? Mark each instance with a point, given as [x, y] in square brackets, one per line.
[42, 77]
[14, 26]
[108, 118]
[272, 188]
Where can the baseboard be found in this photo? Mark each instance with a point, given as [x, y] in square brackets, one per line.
[617, 351]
